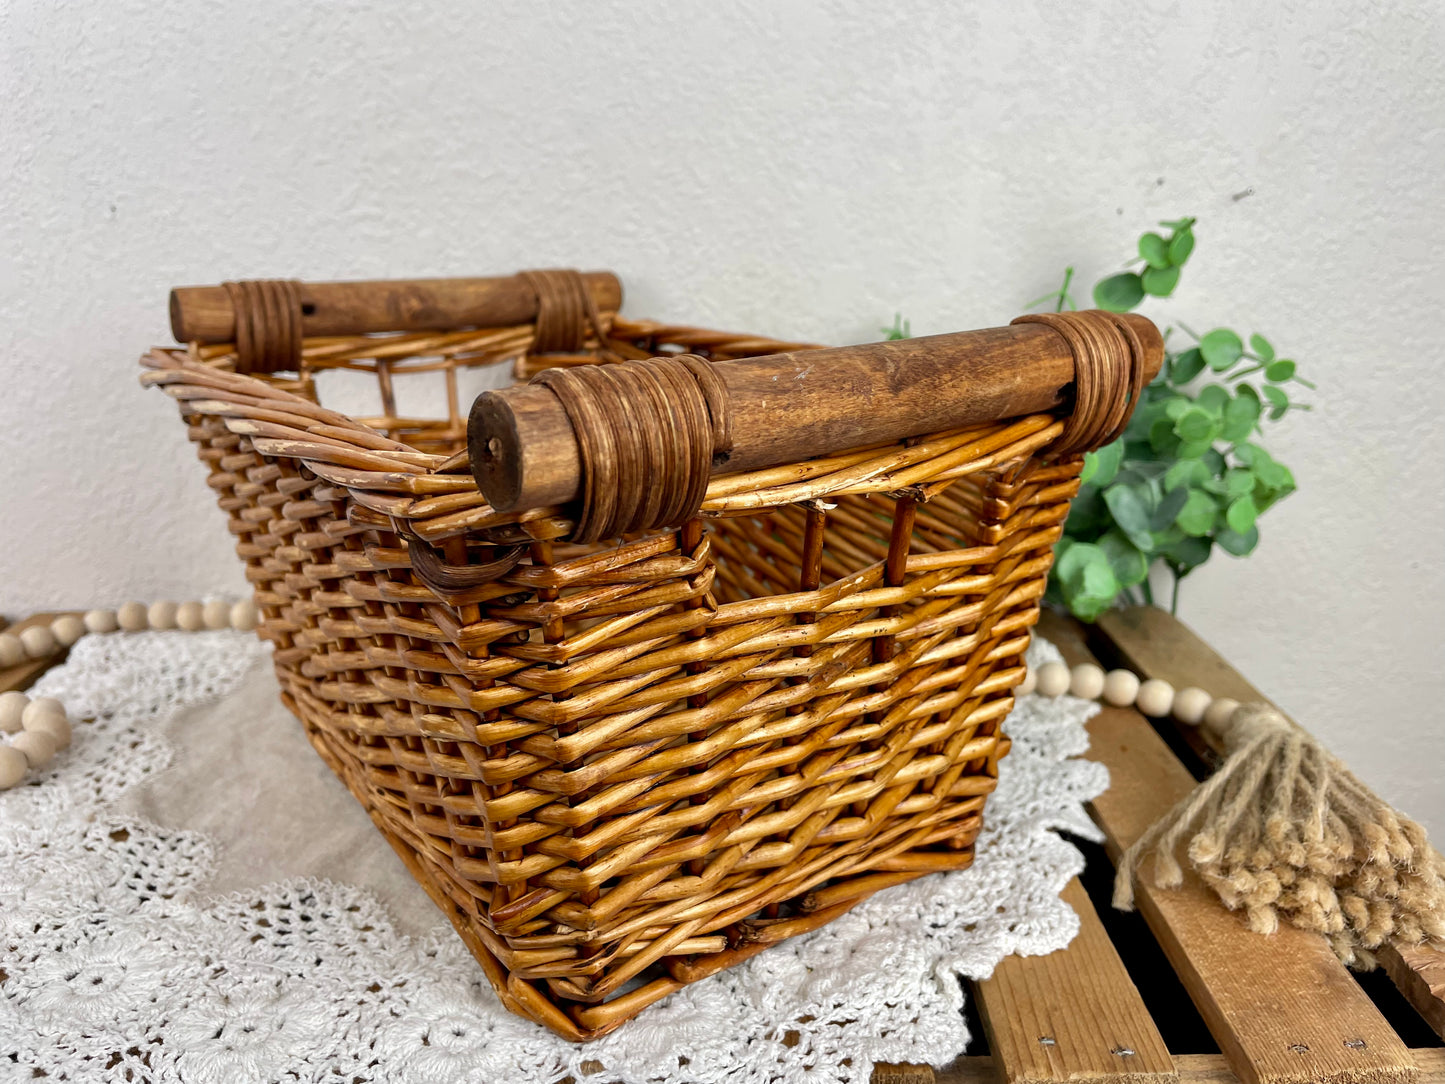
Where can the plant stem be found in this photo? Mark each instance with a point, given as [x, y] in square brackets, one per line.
[1174, 599]
[1064, 289]
[1148, 589]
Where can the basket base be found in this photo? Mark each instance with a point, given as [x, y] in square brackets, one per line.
[579, 1021]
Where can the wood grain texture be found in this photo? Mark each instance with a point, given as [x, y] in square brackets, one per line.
[1419, 972]
[23, 675]
[206, 314]
[1282, 1008]
[884, 1073]
[1072, 1015]
[788, 407]
[1158, 645]
[1193, 1069]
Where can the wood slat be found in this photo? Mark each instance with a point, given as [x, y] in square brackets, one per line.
[1282, 1008]
[1072, 1015]
[23, 675]
[1159, 645]
[884, 1073]
[1193, 1069]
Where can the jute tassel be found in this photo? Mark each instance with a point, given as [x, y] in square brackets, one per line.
[1285, 830]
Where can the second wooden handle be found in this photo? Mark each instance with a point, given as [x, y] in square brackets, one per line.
[206, 314]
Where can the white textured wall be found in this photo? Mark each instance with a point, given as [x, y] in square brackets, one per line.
[796, 169]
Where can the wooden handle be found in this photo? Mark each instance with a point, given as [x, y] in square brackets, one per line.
[206, 314]
[790, 407]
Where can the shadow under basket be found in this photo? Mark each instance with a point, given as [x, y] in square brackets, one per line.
[623, 765]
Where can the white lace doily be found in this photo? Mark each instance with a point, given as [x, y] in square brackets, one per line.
[116, 964]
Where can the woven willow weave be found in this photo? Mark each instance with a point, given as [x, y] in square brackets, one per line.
[621, 767]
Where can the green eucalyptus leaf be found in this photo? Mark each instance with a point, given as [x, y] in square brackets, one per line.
[1184, 472]
[1279, 371]
[1106, 462]
[1251, 455]
[1241, 514]
[1086, 578]
[1186, 366]
[1278, 400]
[1213, 398]
[1119, 293]
[1131, 512]
[1240, 416]
[1238, 481]
[1275, 476]
[1099, 581]
[1196, 424]
[1181, 245]
[1164, 513]
[1240, 545]
[1162, 440]
[1261, 347]
[1214, 461]
[1129, 564]
[1170, 536]
[1160, 282]
[1154, 249]
[1189, 553]
[1177, 406]
[1197, 516]
[1088, 609]
[1088, 514]
[1221, 349]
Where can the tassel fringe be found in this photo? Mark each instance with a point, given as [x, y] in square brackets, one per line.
[1285, 831]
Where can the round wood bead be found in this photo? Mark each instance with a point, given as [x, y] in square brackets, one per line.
[45, 705]
[39, 748]
[1054, 679]
[67, 629]
[13, 766]
[1155, 698]
[38, 641]
[161, 615]
[1029, 683]
[1190, 704]
[216, 614]
[12, 711]
[190, 616]
[1086, 681]
[1218, 714]
[12, 651]
[1120, 688]
[132, 616]
[53, 723]
[243, 615]
[100, 621]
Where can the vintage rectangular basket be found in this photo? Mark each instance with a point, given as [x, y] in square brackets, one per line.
[686, 646]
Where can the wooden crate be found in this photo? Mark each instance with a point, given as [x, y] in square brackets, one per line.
[1281, 1009]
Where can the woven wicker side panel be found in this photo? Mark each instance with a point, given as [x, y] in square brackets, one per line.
[665, 761]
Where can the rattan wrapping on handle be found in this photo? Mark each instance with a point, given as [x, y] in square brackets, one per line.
[1110, 361]
[647, 432]
[268, 324]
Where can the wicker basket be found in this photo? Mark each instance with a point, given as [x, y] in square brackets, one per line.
[621, 765]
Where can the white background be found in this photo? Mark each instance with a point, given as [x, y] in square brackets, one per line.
[801, 170]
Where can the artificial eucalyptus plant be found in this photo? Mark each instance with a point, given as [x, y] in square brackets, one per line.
[1190, 472]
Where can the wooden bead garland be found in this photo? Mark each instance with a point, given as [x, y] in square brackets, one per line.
[39, 729]
[1123, 689]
